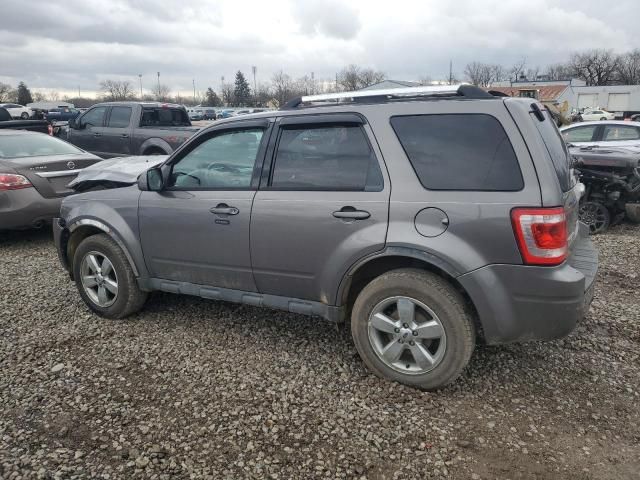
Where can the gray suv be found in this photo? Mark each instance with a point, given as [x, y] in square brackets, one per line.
[430, 218]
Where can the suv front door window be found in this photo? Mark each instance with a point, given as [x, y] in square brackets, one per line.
[197, 229]
[325, 190]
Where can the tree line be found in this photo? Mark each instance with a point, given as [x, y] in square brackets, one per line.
[596, 67]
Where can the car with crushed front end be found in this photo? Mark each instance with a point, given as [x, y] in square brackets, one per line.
[35, 170]
[430, 218]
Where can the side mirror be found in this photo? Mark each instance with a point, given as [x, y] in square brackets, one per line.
[151, 180]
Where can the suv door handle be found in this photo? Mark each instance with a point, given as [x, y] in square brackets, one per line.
[97, 134]
[125, 135]
[351, 213]
[224, 209]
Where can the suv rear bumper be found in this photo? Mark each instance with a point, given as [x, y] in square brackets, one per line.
[518, 303]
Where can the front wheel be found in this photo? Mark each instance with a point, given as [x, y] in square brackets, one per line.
[24, 116]
[603, 119]
[413, 327]
[105, 279]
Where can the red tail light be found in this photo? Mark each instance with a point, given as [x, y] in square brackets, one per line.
[50, 129]
[10, 181]
[541, 234]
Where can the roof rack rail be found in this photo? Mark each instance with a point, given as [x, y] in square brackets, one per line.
[389, 94]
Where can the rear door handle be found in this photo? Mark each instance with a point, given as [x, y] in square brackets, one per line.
[351, 213]
[125, 135]
[224, 209]
[97, 134]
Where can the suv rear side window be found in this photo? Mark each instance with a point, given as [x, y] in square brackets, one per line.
[326, 157]
[459, 152]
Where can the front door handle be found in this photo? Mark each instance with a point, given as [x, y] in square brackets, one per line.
[350, 213]
[224, 209]
[97, 134]
[125, 135]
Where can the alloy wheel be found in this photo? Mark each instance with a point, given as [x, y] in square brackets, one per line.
[406, 335]
[99, 279]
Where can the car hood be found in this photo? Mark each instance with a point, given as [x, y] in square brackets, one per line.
[115, 172]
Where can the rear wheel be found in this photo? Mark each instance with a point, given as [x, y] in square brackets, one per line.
[603, 119]
[155, 151]
[24, 115]
[413, 327]
[596, 216]
[105, 279]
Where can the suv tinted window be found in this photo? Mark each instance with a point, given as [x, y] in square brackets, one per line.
[94, 117]
[336, 157]
[119, 117]
[556, 148]
[224, 161]
[459, 152]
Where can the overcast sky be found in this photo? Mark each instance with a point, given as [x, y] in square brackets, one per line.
[63, 45]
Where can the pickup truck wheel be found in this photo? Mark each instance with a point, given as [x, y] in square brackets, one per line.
[413, 327]
[105, 279]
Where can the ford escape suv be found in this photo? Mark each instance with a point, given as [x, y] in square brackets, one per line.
[430, 218]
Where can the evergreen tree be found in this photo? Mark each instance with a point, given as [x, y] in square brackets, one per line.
[24, 94]
[242, 92]
[212, 99]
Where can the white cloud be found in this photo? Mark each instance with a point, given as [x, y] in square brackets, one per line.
[63, 45]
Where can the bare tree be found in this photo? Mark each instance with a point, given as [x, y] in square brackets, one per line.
[161, 92]
[5, 91]
[227, 92]
[116, 90]
[533, 73]
[369, 77]
[282, 87]
[39, 97]
[518, 69]
[349, 78]
[629, 68]
[558, 71]
[484, 74]
[596, 67]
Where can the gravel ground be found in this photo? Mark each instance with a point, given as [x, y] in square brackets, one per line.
[197, 389]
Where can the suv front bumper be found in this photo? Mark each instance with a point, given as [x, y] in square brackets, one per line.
[519, 302]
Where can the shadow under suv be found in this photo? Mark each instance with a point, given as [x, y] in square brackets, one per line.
[430, 218]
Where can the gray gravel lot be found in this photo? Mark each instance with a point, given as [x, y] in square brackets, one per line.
[197, 389]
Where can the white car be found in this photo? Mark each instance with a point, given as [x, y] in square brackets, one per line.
[17, 111]
[614, 133]
[590, 115]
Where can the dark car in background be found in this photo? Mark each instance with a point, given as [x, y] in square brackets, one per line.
[35, 170]
[61, 114]
[115, 129]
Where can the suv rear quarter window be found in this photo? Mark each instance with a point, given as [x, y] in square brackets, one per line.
[459, 152]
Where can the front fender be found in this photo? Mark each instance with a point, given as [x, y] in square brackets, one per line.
[116, 214]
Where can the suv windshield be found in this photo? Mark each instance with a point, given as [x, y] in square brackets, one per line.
[556, 148]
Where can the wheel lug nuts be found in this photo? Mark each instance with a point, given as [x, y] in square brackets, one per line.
[415, 334]
[406, 325]
[397, 330]
[400, 341]
[412, 343]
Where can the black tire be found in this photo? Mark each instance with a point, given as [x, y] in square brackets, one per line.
[24, 116]
[129, 298]
[603, 119]
[444, 300]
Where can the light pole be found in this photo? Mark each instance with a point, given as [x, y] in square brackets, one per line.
[158, 85]
[140, 77]
[254, 69]
[194, 91]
